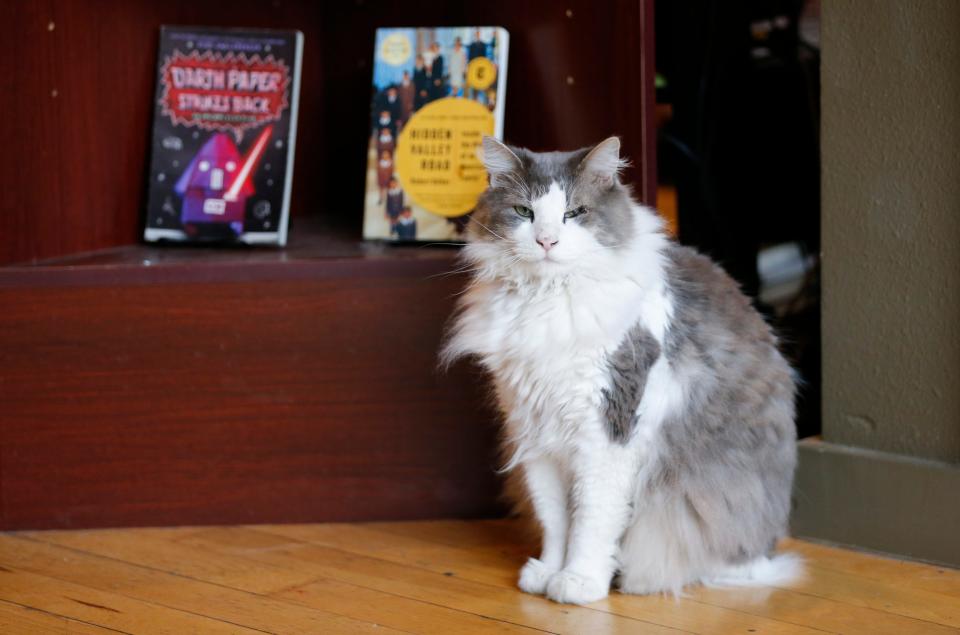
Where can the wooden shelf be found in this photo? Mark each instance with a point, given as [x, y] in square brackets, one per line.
[237, 385]
[310, 239]
[316, 248]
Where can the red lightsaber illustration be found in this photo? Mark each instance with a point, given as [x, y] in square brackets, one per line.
[249, 163]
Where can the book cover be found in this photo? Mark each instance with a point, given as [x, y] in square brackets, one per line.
[224, 130]
[436, 92]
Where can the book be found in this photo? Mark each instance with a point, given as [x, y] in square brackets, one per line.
[224, 132]
[436, 93]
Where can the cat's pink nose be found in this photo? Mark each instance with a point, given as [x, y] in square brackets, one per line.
[547, 242]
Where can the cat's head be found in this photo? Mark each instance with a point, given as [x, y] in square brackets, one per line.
[551, 212]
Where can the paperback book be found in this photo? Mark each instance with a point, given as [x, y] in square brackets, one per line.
[436, 93]
[224, 128]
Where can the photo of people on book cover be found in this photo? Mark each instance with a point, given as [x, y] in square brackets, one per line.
[436, 92]
[224, 129]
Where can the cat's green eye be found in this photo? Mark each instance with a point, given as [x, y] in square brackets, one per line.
[526, 212]
[575, 212]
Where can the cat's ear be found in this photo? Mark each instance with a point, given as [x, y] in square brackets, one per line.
[499, 160]
[603, 163]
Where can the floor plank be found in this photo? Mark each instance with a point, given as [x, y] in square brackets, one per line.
[491, 557]
[92, 606]
[497, 563]
[500, 603]
[184, 553]
[907, 574]
[428, 577]
[16, 620]
[219, 602]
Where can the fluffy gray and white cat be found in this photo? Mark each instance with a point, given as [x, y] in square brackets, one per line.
[647, 410]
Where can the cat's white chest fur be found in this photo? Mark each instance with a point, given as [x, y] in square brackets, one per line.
[550, 369]
[547, 347]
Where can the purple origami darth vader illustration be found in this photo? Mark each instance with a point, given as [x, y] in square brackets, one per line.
[217, 183]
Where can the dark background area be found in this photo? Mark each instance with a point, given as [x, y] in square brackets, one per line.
[742, 150]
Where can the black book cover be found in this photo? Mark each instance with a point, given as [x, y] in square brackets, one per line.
[224, 129]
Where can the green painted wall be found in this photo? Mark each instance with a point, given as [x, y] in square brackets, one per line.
[891, 225]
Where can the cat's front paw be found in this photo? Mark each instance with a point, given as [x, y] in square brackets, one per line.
[573, 588]
[534, 576]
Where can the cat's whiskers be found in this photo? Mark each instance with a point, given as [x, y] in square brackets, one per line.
[478, 280]
[473, 284]
[466, 268]
[522, 188]
[472, 219]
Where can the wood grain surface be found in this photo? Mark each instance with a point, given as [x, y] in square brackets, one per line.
[309, 398]
[444, 577]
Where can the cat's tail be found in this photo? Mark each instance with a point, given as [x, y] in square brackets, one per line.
[779, 570]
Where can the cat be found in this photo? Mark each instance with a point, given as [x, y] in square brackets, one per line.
[648, 413]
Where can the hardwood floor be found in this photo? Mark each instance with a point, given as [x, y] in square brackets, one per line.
[442, 577]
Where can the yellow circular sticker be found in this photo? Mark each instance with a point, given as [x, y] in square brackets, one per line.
[480, 73]
[437, 161]
[395, 49]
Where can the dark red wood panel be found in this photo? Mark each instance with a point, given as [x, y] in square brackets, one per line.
[312, 399]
